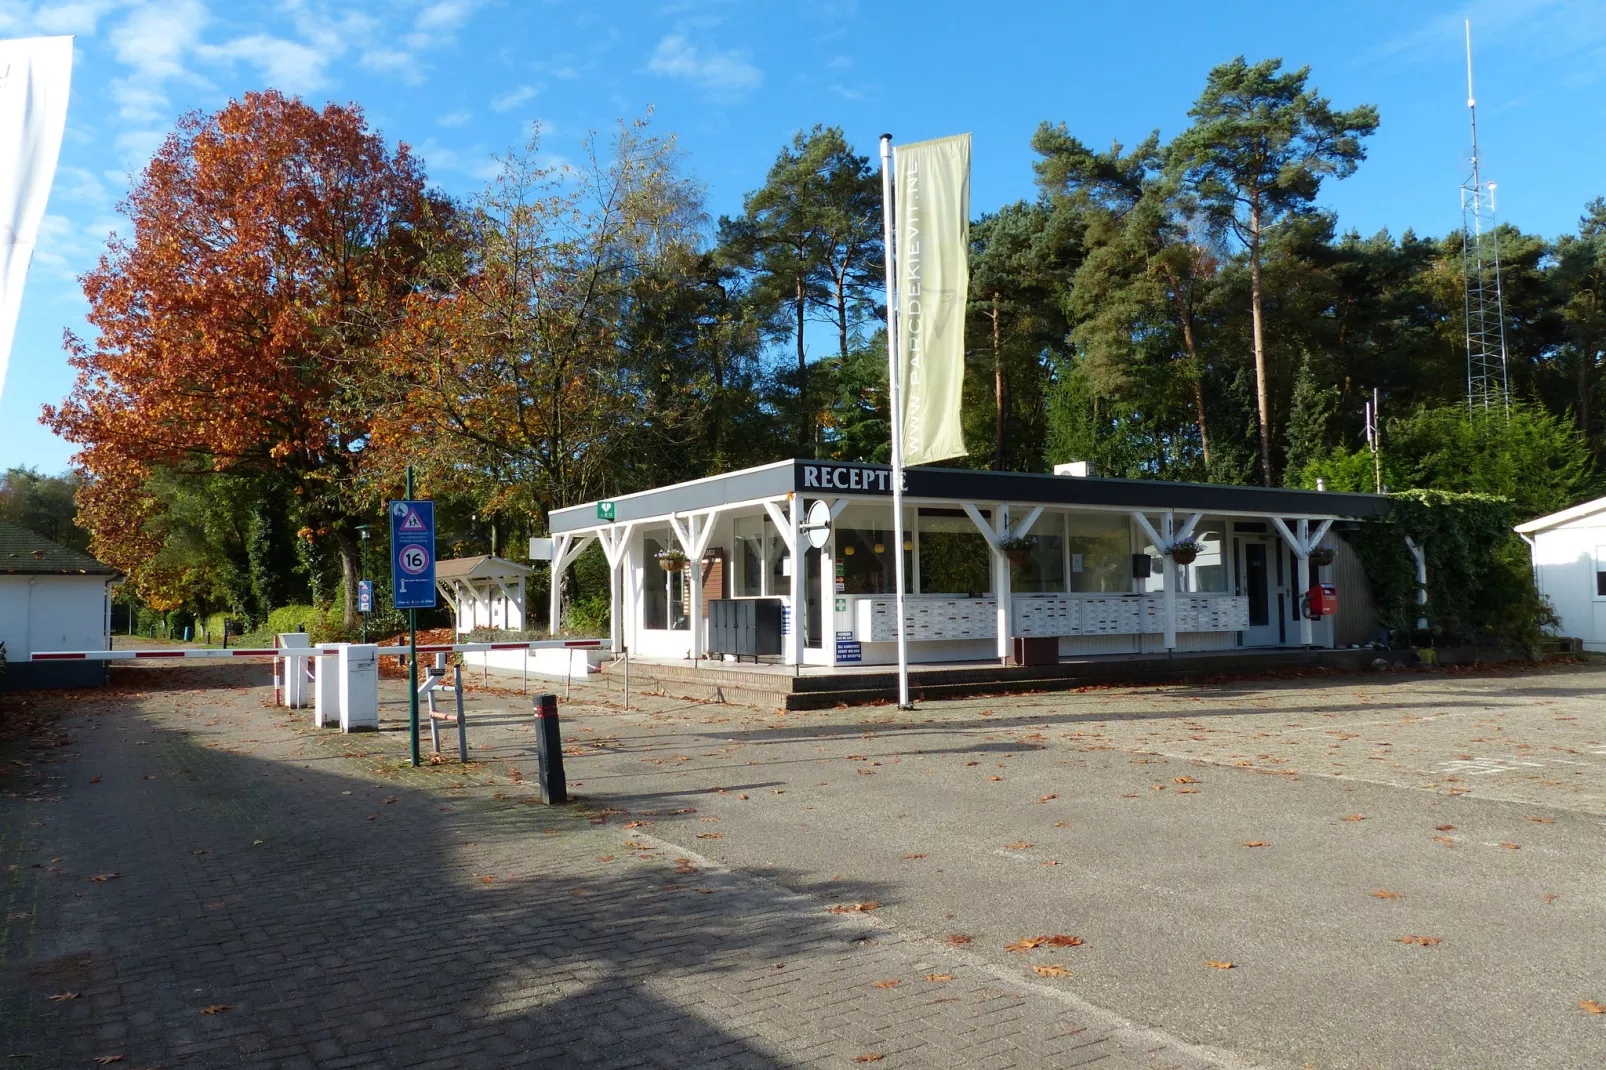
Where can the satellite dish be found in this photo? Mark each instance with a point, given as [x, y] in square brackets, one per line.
[819, 525]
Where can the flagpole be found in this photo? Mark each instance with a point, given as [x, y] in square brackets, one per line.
[895, 412]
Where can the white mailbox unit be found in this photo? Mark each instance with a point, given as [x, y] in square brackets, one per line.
[359, 687]
[989, 556]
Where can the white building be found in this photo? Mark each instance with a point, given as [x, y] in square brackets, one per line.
[1569, 558]
[483, 591]
[51, 598]
[990, 556]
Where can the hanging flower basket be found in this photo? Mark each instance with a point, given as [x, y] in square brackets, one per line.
[1323, 556]
[671, 560]
[1183, 553]
[1018, 548]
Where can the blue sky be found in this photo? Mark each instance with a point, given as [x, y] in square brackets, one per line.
[462, 80]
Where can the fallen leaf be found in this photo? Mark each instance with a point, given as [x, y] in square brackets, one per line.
[1050, 862]
[1383, 893]
[1543, 820]
[258, 843]
[1055, 970]
[107, 1060]
[1591, 1006]
[958, 939]
[855, 908]
[1443, 828]
[1061, 940]
[96, 780]
[995, 778]
[1183, 780]
[1021, 846]
[1026, 943]
[1354, 817]
[911, 857]
[216, 1008]
[1062, 824]
[1420, 941]
[1552, 897]
[1221, 965]
[1511, 846]
[894, 983]
[1257, 843]
[710, 835]
[61, 997]
[939, 977]
[102, 878]
[1048, 798]
[869, 1057]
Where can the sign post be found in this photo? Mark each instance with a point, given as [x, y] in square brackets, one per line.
[412, 581]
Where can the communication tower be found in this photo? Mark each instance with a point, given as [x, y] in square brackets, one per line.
[1488, 387]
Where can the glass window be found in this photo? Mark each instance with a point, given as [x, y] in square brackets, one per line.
[1044, 571]
[1600, 572]
[664, 594]
[1101, 553]
[747, 573]
[1208, 573]
[864, 549]
[954, 557]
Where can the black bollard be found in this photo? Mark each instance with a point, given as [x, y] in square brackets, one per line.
[549, 751]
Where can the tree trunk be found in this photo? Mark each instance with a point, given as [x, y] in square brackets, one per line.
[1262, 406]
[1185, 318]
[1585, 361]
[842, 316]
[805, 430]
[350, 573]
[1000, 405]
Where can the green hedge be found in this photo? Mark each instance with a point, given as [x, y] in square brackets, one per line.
[1480, 581]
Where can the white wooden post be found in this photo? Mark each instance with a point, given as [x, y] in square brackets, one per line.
[799, 611]
[1302, 529]
[560, 551]
[1002, 586]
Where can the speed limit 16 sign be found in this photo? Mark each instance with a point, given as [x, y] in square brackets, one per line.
[412, 544]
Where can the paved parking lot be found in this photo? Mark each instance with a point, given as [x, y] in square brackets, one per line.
[1379, 871]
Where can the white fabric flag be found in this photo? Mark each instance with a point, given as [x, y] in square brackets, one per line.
[35, 73]
[933, 242]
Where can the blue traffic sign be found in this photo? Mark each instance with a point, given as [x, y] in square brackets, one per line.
[412, 554]
[365, 596]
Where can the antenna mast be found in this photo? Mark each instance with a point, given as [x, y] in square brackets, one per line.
[1488, 388]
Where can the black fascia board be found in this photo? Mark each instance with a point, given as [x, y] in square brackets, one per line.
[855, 479]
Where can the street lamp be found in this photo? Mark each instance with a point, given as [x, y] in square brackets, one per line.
[363, 533]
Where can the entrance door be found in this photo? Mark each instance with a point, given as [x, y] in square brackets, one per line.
[1260, 580]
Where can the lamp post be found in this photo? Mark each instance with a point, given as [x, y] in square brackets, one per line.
[363, 533]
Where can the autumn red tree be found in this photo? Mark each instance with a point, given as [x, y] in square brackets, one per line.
[272, 247]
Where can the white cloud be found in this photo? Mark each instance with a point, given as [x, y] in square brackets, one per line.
[288, 65]
[454, 118]
[840, 63]
[437, 23]
[392, 61]
[848, 94]
[77, 17]
[676, 57]
[155, 37]
[138, 102]
[512, 99]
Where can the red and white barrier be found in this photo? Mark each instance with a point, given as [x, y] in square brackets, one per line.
[310, 652]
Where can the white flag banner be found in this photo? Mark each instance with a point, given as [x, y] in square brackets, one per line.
[35, 73]
[932, 217]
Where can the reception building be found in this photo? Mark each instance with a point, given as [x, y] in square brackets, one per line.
[1081, 565]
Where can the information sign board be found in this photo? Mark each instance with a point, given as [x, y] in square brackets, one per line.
[412, 554]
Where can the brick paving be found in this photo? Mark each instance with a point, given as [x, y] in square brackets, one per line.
[178, 847]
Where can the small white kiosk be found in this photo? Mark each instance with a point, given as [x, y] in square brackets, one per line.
[1092, 565]
[1569, 560]
[483, 591]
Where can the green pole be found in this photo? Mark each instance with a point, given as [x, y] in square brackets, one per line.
[412, 652]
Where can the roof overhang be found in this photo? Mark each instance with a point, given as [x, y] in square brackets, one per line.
[1566, 516]
[870, 482]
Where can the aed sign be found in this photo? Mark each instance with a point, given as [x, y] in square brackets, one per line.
[412, 554]
[862, 479]
[606, 510]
